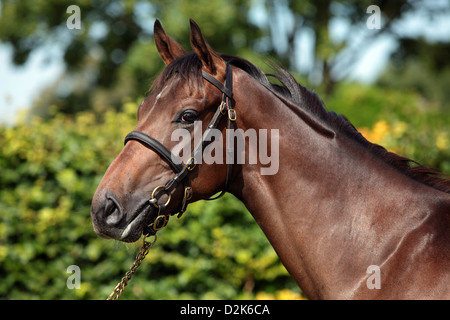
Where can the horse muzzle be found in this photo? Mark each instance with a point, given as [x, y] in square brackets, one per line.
[112, 221]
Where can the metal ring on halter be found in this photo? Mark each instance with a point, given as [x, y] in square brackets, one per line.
[152, 199]
[188, 193]
[157, 221]
[191, 163]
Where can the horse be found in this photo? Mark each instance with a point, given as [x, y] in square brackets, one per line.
[347, 218]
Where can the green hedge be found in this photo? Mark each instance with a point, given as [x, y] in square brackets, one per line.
[402, 122]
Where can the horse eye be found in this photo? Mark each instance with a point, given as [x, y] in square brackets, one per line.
[188, 116]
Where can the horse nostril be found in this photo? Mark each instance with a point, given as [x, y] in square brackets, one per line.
[113, 212]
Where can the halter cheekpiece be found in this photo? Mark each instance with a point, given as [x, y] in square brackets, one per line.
[182, 170]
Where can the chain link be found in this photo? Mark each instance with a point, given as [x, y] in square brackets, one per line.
[143, 251]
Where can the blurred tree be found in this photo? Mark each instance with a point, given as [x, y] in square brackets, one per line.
[92, 54]
[337, 32]
[423, 67]
[112, 56]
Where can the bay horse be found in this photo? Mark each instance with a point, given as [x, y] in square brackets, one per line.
[339, 212]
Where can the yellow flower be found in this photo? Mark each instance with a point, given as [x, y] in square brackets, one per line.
[380, 129]
[442, 141]
[284, 294]
[264, 296]
[287, 294]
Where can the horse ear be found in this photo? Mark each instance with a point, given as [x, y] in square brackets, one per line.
[168, 48]
[212, 62]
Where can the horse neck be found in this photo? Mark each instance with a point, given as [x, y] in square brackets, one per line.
[331, 206]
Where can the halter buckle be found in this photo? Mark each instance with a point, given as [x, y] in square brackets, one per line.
[232, 114]
[223, 107]
[188, 193]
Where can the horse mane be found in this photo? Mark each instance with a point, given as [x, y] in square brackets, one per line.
[189, 68]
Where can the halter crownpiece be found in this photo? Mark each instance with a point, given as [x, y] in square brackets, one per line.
[182, 171]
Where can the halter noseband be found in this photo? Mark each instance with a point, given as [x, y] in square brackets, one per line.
[182, 171]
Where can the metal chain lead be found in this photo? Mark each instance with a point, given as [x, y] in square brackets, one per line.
[143, 251]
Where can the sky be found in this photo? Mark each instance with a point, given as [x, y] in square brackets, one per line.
[20, 85]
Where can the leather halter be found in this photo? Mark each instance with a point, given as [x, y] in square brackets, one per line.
[182, 171]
